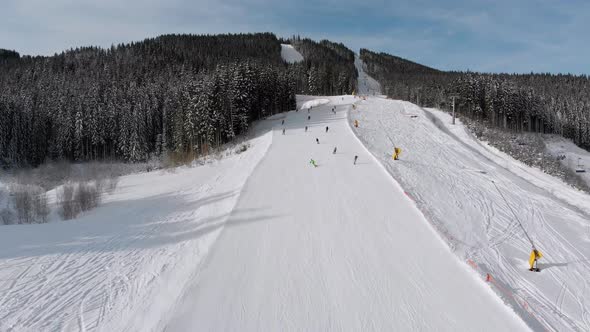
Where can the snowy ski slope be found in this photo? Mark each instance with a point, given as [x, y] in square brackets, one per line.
[263, 241]
[367, 86]
[448, 173]
[337, 247]
[122, 266]
[333, 248]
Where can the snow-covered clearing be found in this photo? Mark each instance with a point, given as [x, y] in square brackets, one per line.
[123, 265]
[333, 248]
[449, 175]
[290, 54]
[367, 85]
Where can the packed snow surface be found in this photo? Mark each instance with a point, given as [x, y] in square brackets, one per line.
[122, 266]
[449, 174]
[338, 247]
[290, 54]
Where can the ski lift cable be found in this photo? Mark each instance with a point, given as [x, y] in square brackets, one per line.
[515, 216]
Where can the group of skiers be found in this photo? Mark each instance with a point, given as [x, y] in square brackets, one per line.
[317, 140]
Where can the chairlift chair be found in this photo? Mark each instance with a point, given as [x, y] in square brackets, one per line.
[580, 168]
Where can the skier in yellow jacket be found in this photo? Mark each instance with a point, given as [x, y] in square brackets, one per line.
[396, 153]
[535, 256]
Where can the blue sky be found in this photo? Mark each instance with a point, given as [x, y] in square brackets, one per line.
[491, 36]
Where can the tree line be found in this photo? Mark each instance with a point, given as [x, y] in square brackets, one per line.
[6, 55]
[169, 94]
[543, 103]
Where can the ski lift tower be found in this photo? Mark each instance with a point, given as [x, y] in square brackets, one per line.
[453, 97]
[580, 168]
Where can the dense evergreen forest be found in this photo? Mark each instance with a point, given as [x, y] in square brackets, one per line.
[328, 68]
[178, 94]
[543, 103]
[6, 55]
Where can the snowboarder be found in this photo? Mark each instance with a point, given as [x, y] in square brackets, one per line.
[308, 117]
[312, 162]
[305, 128]
[355, 158]
[283, 131]
[334, 152]
[317, 140]
[327, 129]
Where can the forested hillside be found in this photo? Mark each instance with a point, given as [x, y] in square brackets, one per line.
[171, 94]
[328, 68]
[544, 103]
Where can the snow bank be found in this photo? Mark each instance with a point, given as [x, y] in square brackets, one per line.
[314, 103]
[123, 265]
[290, 54]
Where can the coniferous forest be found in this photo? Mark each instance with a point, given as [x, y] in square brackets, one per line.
[327, 68]
[188, 93]
[170, 94]
[542, 103]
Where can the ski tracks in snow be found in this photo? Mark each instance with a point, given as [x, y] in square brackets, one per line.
[341, 248]
[449, 176]
[105, 270]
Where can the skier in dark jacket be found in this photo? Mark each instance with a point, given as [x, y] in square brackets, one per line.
[334, 152]
[283, 122]
[317, 140]
[283, 131]
[309, 117]
[327, 128]
[355, 158]
[305, 128]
